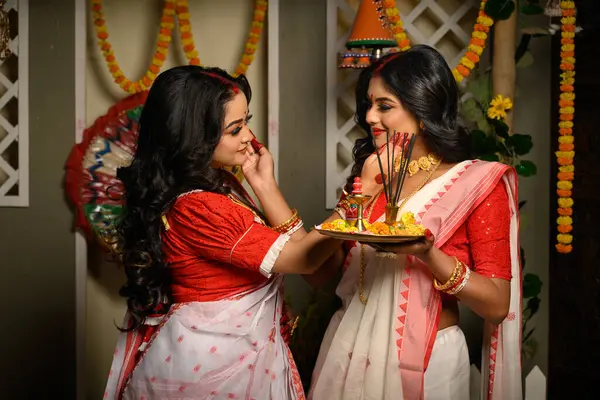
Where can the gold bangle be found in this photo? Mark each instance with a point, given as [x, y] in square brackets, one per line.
[296, 223]
[288, 222]
[456, 290]
[456, 275]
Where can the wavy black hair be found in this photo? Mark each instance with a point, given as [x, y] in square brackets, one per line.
[180, 126]
[421, 79]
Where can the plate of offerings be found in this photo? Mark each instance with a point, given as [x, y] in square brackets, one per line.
[397, 227]
[404, 230]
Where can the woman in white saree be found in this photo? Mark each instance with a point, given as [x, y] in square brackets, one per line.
[396, 334]
[203, 263]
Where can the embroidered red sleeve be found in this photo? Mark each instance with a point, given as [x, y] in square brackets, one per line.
[488, 231]
[458, 246]
[213, 227]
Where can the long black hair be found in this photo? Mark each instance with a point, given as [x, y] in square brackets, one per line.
[425, 86]
[180, 127]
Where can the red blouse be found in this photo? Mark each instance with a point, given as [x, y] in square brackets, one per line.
[482, 242]
[214, 248]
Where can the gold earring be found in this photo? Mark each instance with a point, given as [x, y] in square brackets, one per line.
[421, 126]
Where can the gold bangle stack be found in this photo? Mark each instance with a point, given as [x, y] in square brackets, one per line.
[457, 275]
[289, 224]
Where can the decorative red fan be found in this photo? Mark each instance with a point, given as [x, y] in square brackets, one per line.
[91, 171]
[91, 179]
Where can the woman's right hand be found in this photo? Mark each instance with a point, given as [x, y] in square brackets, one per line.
[259, 167]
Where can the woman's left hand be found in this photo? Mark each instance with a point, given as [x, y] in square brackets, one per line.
[415, 247]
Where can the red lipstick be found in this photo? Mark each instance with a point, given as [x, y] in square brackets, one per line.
[377, 131]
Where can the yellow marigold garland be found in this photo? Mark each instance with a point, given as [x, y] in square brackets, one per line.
[396, 24]
[476, 44]
[167, 23]
[187, 38]
[172, 8]
[185, 32]
[258, 21]
[566, 146]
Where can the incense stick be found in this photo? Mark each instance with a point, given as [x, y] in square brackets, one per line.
[380, 168]
[410, 147]
[393, 161]
[389, 175]
[407, 147]
[400, 177]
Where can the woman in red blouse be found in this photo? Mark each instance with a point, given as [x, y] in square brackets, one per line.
[203, 264]
[396, 335]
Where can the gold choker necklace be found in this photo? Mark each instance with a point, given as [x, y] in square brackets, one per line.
[423, 163]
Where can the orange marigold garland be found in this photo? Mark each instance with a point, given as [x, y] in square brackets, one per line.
[167, 23]
[185, 32]
[258, 21]
[187, 38]
[396, 24]
[172, 8]
[566, 140]
[476, 44]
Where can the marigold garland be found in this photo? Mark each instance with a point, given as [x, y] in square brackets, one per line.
[187, 38]
[476, 44]
[172, 8]
[566, 140]
[167, 23]
[185, 32]
[258, 20]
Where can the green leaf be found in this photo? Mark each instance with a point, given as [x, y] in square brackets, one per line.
[480, 88]
[489, 157]
[531, 9]
[482, 144]
[500, 127]
[521, 144]
[526, 168]
[533, 304]
[532, 286]
[471, 110]
[484, 126]
[504, 152]
[499, 9]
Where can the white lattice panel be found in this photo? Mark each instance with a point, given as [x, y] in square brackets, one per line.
[14, 115]
[443, 24]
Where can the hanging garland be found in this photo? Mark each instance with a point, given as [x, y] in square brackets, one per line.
[180, 8]
[566, 146]
[476, 44]
[167, 23]
[185, 32]
[187, 37]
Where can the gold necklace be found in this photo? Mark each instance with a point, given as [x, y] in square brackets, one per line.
[424, 163]
[363, 299]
